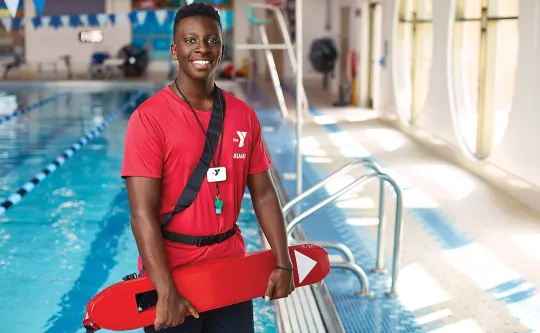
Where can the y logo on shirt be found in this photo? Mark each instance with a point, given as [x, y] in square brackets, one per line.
[241, 138]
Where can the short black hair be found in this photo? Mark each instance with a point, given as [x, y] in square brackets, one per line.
[195, 9]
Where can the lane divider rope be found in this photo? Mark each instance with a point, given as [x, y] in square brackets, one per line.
[30, 107]
[16, 197]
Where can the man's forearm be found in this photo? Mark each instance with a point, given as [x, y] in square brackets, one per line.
[272, 221]
[152, 250]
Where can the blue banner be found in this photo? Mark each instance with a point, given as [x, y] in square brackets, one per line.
[40, 4]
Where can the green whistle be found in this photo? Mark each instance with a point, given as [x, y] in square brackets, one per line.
[219, 205]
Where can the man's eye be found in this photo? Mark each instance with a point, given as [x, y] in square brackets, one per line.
[214, 40]
[190, 40]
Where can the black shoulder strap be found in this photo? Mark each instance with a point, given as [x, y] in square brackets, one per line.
[196, 179]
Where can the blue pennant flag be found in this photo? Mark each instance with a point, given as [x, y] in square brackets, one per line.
[92, 20]
[56, 22]
[36, 21]
[74, 21]
[112, 18]
[40, 4]
[133, 18]
[17, 22]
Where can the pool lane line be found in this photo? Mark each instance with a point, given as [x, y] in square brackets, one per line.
[30, 107]
[16, 197]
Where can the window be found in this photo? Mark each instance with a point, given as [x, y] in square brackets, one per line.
[413, 59]
[484, 67]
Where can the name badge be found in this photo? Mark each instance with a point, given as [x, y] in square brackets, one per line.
[216, 174]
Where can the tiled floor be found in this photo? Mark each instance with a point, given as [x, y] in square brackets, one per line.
[470, 253]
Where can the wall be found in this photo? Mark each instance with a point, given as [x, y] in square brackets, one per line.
[513, 164]
[314, 18]
[48, 44]
[242, 32]
[314, 26]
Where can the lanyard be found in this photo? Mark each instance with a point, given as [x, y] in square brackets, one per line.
[201, 126]
[216, 93]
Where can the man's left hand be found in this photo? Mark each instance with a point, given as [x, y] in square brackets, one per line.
[280, 284]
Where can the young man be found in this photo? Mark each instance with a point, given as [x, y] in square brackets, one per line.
[164, 141]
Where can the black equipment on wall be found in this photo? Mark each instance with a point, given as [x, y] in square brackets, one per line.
[323, 56]
[135, 60]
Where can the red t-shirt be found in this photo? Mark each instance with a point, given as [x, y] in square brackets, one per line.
[164, 140]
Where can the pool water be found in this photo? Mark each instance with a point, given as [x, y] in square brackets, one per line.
[70, 237]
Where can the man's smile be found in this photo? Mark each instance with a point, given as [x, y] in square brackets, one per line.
[201, 64]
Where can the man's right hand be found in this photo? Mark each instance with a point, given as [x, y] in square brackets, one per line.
[171, 310]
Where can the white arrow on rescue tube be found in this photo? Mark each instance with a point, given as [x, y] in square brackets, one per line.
[304, 265]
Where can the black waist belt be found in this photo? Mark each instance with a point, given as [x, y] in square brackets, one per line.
[198, 240]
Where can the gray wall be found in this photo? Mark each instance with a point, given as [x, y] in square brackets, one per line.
[70, 7]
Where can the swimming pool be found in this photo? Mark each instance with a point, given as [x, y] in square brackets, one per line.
[69, 237]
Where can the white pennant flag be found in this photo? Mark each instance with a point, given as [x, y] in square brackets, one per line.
[65, 20]
[120, 18]
[46, 21]
[102, 19]
[6, 21]
[161, 16]
[12, 6]
[84, 20]
[141, 17]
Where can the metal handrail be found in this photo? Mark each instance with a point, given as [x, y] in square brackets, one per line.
[398, 220]
[379, 266]
[346, 168]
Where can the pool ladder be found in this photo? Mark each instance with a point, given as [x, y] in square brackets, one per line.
[350, 263]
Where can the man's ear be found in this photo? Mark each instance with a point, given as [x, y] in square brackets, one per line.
[174, 54]
[222, 52]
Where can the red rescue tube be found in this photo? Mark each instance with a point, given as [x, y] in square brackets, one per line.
[130, 304]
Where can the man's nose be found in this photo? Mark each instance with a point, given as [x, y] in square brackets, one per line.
[202, 47]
